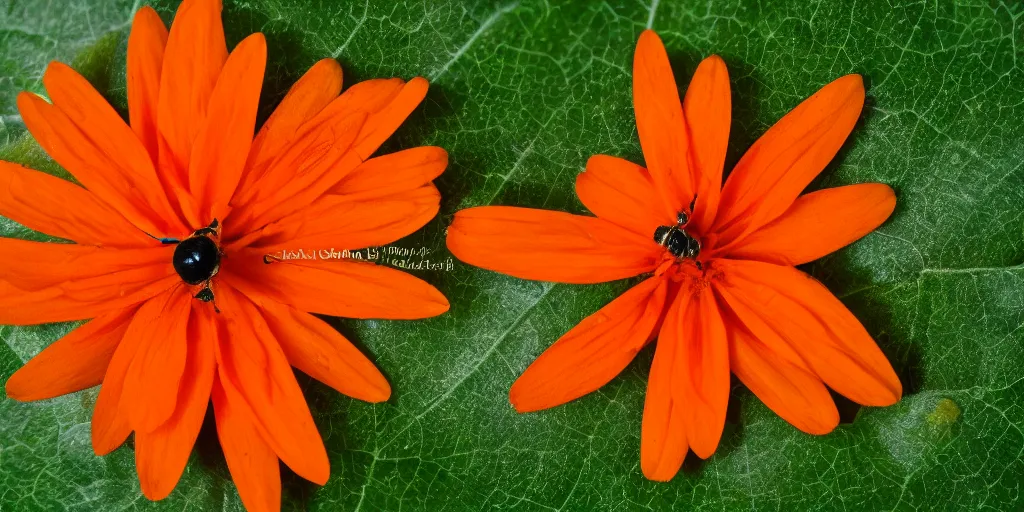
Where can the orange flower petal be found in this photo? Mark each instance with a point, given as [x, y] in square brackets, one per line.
[621, 192]
[791, 390]
[368, 112]
[708, 110]
[161, 455]
[53, 264]
[333, 125]
[340, 288]
[338, 222]
[152, 382]
[146, 44]
[296, 178]
[774, 171]
[223, 143]
[391, 174]
[817, 326]
[663, 430]
[593, 352]
[99, 125]
[251, 364]
[380, 125]
[73, 363]
[307, 97]
[251, 462]
[74, 282]
[110, 420]
[321, 352]
[661, 126]
[817, 224]
[62, 209]
[547, 245]
[100, 172]
[193, 59]
[702, 354]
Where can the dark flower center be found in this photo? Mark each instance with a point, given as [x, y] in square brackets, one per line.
[196, 259]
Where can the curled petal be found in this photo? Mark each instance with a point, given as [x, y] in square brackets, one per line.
[818, 224]
[593, 352]
[549, 246]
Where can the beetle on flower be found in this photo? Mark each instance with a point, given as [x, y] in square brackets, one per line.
[721, 292]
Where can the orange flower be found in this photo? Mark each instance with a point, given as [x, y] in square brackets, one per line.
[722, 293]
[188, 169]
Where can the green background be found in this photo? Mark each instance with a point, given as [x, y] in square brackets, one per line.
[522, 94]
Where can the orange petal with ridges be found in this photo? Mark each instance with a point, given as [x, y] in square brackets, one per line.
[250, 363]
[83, 298]
[161, 455]
[348, 289]
[320, 85]
[152, 382]
[792, 391]
[394, 173]
[707, 107]
[53, 264]
[252, 463]
[110, 421]
[222, 145]
[320, 351]
[296, 177]
[663, 443]
[59, 208]
[380, 125]
[337, 222]
[818, 224]
[774, 171]
[661, 126]
[593, 352]
[310, 142]
[97, 171]
[124, 154]
[73, 363]
[547, 245]
[703, 354]
[623, 193]
[146, 44]
[193, 59]
[817, 326]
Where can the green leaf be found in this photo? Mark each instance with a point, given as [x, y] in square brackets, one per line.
[522, 94]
